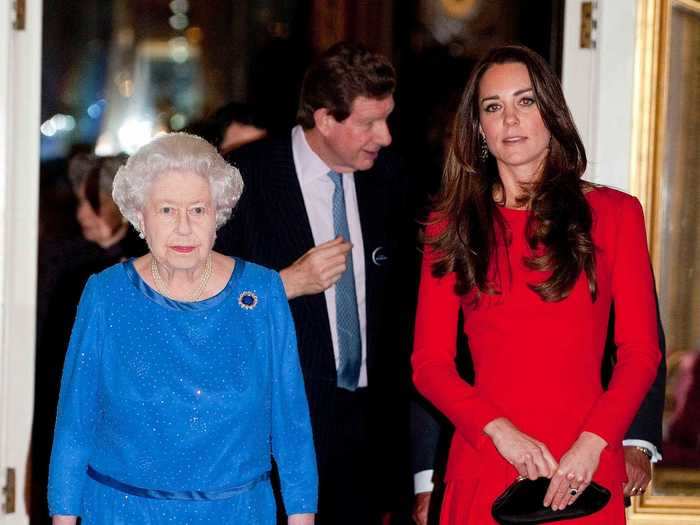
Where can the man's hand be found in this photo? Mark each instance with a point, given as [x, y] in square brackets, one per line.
[316, 270]
[638, 466]
[421, 505]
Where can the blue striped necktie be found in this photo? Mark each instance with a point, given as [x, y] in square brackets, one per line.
[347, 318]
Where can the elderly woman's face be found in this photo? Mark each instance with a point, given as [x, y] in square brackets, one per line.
[510, 118]
[179, 220]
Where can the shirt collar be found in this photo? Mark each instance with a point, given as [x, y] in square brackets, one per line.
[308, 164]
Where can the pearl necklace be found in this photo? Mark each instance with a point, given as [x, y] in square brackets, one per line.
[162, 287]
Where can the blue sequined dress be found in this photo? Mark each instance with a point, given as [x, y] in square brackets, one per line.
[182, 397]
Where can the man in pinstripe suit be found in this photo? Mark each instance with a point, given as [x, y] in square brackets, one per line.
[332, 168]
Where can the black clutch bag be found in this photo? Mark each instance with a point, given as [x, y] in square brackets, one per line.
[521, 503]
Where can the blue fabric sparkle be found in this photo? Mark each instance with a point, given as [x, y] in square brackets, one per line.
[181, 397]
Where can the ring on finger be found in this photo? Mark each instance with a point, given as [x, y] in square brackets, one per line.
[573, 491]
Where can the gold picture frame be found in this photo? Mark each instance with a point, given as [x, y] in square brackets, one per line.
[658, 151]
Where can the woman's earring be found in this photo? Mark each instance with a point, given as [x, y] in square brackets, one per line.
[484, 151]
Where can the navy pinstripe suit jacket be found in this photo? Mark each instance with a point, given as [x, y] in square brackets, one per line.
[270, 227]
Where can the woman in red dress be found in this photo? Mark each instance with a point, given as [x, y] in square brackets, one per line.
[535, 257]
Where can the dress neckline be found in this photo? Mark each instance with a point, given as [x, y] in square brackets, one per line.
[514, 214]
[522, 213]
[182, 306]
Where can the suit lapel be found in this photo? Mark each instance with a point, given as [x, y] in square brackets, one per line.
[369, 195]
[293, 238]
[287, 203]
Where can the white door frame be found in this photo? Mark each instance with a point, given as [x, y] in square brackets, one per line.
[20, 91]
[598, 85]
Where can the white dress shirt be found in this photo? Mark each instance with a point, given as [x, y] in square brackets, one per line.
[317, 189]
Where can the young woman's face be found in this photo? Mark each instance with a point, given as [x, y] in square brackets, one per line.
[510, 119]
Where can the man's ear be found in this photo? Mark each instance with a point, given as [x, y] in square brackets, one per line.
[324, 121]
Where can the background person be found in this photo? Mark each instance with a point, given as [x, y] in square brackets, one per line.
[231, 126]
[328, 206]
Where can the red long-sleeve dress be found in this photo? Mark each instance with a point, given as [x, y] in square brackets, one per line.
[539, 364]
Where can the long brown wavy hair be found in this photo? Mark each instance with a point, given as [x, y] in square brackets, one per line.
[559, 225]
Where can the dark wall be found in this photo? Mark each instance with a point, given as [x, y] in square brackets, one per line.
[432, 73]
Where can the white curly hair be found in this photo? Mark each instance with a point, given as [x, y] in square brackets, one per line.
[176, 152]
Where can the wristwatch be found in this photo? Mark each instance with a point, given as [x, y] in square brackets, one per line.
[648, 453]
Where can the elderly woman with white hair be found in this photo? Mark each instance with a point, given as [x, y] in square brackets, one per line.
[182, 379]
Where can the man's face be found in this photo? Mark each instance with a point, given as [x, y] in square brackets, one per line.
[354, 143]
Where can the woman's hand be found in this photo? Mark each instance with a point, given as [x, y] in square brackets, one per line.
[575, 471]
[301, 519]
[64, 520]
[530, 457]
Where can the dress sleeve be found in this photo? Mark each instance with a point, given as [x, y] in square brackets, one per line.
[77, 407]
[292, 438]
[434, 370]
[636, 333]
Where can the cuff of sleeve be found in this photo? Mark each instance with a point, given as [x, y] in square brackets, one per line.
[300, 498]
[655, 455]
[66, 505]
[471, 423]
[63, 511]
[306, 507]
[423, 481]
[604, 424]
